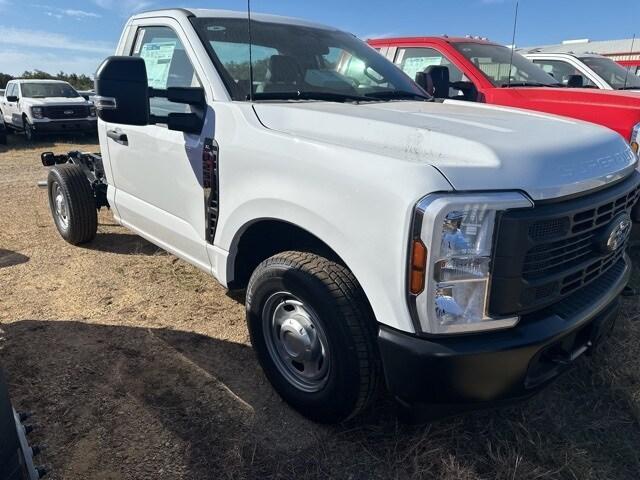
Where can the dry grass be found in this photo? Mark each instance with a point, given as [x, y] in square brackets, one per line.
[138, 366]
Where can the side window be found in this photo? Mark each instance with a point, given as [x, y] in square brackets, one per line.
[561, 71]
[167, 65]
[414, 60]
[12, 90]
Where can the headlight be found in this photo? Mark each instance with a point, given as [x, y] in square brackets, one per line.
[36, 112]
[92, 111]
[635, 140]
[457, 231]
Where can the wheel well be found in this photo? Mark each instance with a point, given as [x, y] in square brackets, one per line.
[266, 238]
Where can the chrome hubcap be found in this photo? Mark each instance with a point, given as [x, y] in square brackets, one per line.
[296, 342]
[60, 205]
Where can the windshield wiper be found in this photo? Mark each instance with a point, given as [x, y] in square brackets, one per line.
[531, 84]
[629, 87]
[323, 96]
[398, 94]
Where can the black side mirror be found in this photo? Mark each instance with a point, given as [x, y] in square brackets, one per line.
[468, 89]
[122, 91]
[12, 98]
[575, 81]
[185, 122]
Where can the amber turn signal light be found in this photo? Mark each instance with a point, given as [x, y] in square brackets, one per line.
[418, 267]
[635, 147]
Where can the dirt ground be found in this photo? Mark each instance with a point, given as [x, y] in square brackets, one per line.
[138, 366]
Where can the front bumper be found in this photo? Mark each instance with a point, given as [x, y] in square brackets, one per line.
[61, 126]
[459, 373]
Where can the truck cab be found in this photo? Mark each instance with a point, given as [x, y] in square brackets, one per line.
[476, 70]
[380, 236]
[587, 70]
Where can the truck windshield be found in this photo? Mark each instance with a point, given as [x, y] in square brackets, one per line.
[44, 90]
[613, 73]
[299, 62]
[494, 60]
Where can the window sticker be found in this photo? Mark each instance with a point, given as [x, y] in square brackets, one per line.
[157, 58]
[419, 64]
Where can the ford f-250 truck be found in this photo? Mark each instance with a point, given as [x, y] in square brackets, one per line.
[477, 70]
[466, 253]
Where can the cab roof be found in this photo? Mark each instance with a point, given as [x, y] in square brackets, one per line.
[213, 13]
[36, 80]
[431, 39]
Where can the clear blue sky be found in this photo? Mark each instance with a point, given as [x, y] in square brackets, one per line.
[74, 35]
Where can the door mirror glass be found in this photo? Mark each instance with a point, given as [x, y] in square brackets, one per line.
[12, 98]
[122, 91]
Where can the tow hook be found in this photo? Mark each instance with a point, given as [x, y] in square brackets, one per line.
[561, 357]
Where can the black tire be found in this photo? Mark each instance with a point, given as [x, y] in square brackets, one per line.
[339, 308]
[29, 132]
[70, 184]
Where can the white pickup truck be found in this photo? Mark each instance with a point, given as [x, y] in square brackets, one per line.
[46, 106]
[585, 70]
[465, 253]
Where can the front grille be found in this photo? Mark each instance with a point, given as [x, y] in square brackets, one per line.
[550, 251]
[60, 112]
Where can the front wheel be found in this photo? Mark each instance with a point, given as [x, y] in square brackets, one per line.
[72, 204]
[29, 132]
[314, 334]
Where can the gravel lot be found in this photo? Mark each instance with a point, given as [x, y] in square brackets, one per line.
[138, 366]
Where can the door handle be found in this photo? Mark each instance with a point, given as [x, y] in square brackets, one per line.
[118, 137]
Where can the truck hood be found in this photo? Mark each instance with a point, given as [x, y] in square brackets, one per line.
[587, 97]
[476, 147]
[38, 102]
[617, 110]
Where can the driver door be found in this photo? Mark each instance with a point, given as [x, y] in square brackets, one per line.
[158, 172]
[10, 108]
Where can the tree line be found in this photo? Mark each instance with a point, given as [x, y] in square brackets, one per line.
[79, 82]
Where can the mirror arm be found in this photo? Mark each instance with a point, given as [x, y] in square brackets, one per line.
[158, 119]
[157, 93]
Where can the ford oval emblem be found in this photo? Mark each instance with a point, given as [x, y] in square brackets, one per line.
[615, 234]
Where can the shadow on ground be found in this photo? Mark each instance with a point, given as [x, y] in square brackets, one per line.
[123, 244]
[9, 258]
[121, 402]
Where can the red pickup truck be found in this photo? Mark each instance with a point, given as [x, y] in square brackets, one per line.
[480, 71]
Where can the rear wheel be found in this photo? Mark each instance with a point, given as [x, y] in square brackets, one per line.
[314, 334]
[72, 204]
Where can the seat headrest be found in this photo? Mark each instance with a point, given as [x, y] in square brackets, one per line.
[284, 69]
[440, 77]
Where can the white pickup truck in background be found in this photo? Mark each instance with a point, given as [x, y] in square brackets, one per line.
[444, 247]
[586, 70]
[46, 106]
